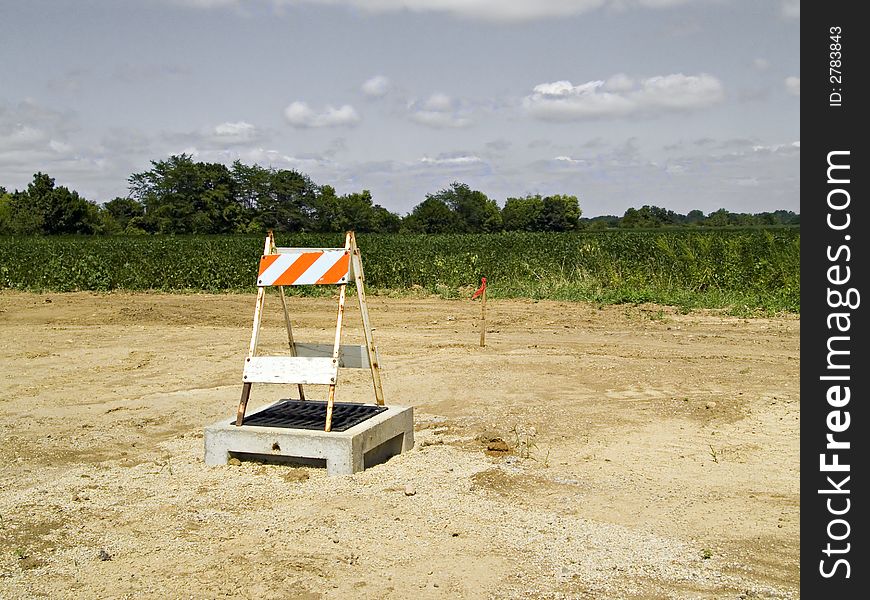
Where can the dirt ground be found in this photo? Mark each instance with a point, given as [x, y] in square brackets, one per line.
[650, 454]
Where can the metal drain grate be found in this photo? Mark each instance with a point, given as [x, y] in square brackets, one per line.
[311, 414]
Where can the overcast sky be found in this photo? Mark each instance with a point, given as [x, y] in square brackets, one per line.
[680, 103]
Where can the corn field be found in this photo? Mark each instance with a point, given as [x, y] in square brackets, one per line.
[741, 269]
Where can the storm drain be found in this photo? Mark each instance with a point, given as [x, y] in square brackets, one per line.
[311, 414]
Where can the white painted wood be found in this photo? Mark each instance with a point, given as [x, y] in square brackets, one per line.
[330, 400]
[350, 274]
[349, 356]
[290, 369]
[305, 250]
[325, 261]
[290, 341]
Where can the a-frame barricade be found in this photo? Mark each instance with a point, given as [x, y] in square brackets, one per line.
[310, 364]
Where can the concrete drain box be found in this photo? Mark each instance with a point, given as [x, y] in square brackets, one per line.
[362, 435]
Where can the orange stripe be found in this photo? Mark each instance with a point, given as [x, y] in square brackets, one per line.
[299, 266]
[266, 261]
[336, 271]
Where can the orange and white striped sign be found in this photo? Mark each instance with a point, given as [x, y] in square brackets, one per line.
[305, 267]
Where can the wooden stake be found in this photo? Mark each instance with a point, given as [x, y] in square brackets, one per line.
[336, 348]
[290, 333]
[330, 403]
[359, 279]
[290, 341]
[483, 318]
[243, 404]
[255, 334]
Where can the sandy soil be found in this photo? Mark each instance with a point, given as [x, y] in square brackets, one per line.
[651, 455]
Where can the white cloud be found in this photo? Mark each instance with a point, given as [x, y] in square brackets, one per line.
[793, 85]
[59, 147]
[761, 64]
[655, 3]
[299, 114]
[38, 138]
[492, 10]
[619, 83]
[439, 111]
[563, 88]
[679, 91]
[376, 86]
[438, 103]
[461, 160]
[773, 148]
[234, 129]
[30, 127]
[562, 101]
[206, 3]
[791, 9]
[568, 160]
[439, 120]
[239, 132]
[22, 137]
[620, 96]
[485, 10]
[217, 138]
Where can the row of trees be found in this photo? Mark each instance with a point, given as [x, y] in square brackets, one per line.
[654, 216]
[179, 195]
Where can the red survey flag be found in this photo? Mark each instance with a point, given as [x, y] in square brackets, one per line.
[481, 289]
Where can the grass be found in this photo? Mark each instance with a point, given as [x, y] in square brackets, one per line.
[713, 454]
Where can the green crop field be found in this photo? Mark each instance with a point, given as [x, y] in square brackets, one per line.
[743, 270]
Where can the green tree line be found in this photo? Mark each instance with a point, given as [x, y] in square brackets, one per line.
[181, 196]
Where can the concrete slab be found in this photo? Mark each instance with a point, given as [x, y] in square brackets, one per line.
[345, 452]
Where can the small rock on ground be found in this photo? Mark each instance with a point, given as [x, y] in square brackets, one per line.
[295, 475]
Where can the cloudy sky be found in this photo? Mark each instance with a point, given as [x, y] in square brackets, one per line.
[680, 103]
